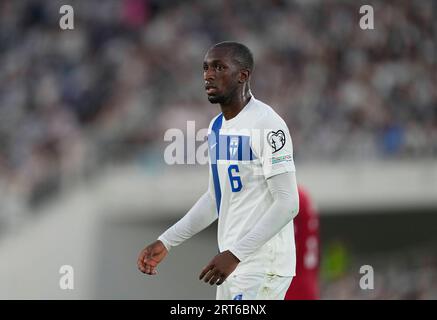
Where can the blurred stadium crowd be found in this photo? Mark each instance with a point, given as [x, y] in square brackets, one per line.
[73, 101]
[410, 274]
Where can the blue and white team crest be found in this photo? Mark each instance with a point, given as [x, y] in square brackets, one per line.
[233, 146]
[238, 297]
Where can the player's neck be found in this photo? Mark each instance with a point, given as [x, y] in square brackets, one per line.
[232, 108]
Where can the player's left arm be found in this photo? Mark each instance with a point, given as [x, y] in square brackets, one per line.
[284, 208]
[275, 151]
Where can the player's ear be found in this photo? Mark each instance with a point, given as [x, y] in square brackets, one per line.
[244, 76]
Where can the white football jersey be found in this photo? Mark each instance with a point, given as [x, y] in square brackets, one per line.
[243, 152]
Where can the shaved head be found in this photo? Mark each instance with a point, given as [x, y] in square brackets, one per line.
[238, 52]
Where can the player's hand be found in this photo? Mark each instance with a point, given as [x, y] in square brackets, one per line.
[219, 268]
[150, 257]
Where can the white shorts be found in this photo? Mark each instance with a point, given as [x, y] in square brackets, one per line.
[255, 286]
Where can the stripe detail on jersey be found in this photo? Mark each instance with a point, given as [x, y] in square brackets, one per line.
[214, 147]
[233, 147]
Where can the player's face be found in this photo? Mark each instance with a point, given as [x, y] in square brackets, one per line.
[221, 75]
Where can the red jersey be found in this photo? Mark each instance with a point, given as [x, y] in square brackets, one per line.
[305, 285]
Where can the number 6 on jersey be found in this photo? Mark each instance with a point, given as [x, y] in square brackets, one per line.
[235, 181]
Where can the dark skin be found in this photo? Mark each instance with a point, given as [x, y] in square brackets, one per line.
[226, 83]
[228, 79]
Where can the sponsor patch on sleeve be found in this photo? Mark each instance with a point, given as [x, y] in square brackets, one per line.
[285, 158]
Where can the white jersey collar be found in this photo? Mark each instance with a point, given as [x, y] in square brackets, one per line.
[231, 122]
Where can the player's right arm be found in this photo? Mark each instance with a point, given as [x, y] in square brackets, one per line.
[200, 216]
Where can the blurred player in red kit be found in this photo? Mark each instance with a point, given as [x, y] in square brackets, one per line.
[305, 285]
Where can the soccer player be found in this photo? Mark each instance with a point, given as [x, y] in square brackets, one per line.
[305, 285]
[252, 188]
